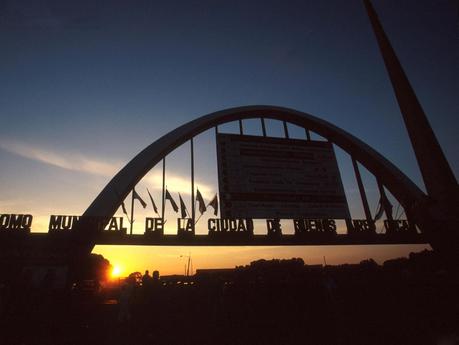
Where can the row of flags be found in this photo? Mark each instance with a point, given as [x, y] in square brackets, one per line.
[202, 207]
[384, 204]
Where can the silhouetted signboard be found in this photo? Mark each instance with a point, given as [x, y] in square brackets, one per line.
[262, 177]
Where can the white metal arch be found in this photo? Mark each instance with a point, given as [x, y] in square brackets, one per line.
[109, 199]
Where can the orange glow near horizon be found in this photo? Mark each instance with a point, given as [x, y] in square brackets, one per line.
[172, 260]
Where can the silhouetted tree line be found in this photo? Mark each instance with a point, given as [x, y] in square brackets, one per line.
[95, 267]
[403, 301]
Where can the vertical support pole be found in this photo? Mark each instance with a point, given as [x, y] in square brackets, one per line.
[241, 128]
[163, 204]
[132, 211]
[386, 205]
[263, 127]
[363, 195]
[308, 135]
[192, 184]
[286, 130]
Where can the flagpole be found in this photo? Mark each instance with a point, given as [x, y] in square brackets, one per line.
[192, 184]
[197, 220]
[132, 212]
[163, 198]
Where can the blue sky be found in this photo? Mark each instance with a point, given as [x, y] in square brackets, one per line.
[85, 85]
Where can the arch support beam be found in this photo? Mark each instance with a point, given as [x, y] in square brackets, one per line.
[439, 179]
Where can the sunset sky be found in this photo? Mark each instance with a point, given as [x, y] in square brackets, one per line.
[86, 85]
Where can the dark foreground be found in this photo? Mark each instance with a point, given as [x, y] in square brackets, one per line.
[269, 302]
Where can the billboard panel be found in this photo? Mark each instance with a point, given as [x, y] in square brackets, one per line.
[261, 177]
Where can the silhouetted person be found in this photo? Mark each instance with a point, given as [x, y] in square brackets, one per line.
[146, 279]
[155, 285]
[154, 297]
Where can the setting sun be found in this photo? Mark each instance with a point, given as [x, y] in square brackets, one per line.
[116, 271]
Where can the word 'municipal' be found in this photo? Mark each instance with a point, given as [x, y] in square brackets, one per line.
[63, 223]
[15, 221]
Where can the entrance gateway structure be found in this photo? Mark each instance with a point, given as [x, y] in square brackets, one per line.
[431, 218]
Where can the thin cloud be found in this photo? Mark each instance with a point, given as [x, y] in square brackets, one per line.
[95, 166]
[64, 160]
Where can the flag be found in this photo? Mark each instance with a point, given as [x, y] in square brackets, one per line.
[137, 196]
[201, 204]
[214, 204]
[123, 207]
[183, 209]
[173, 204]
[152, 202]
